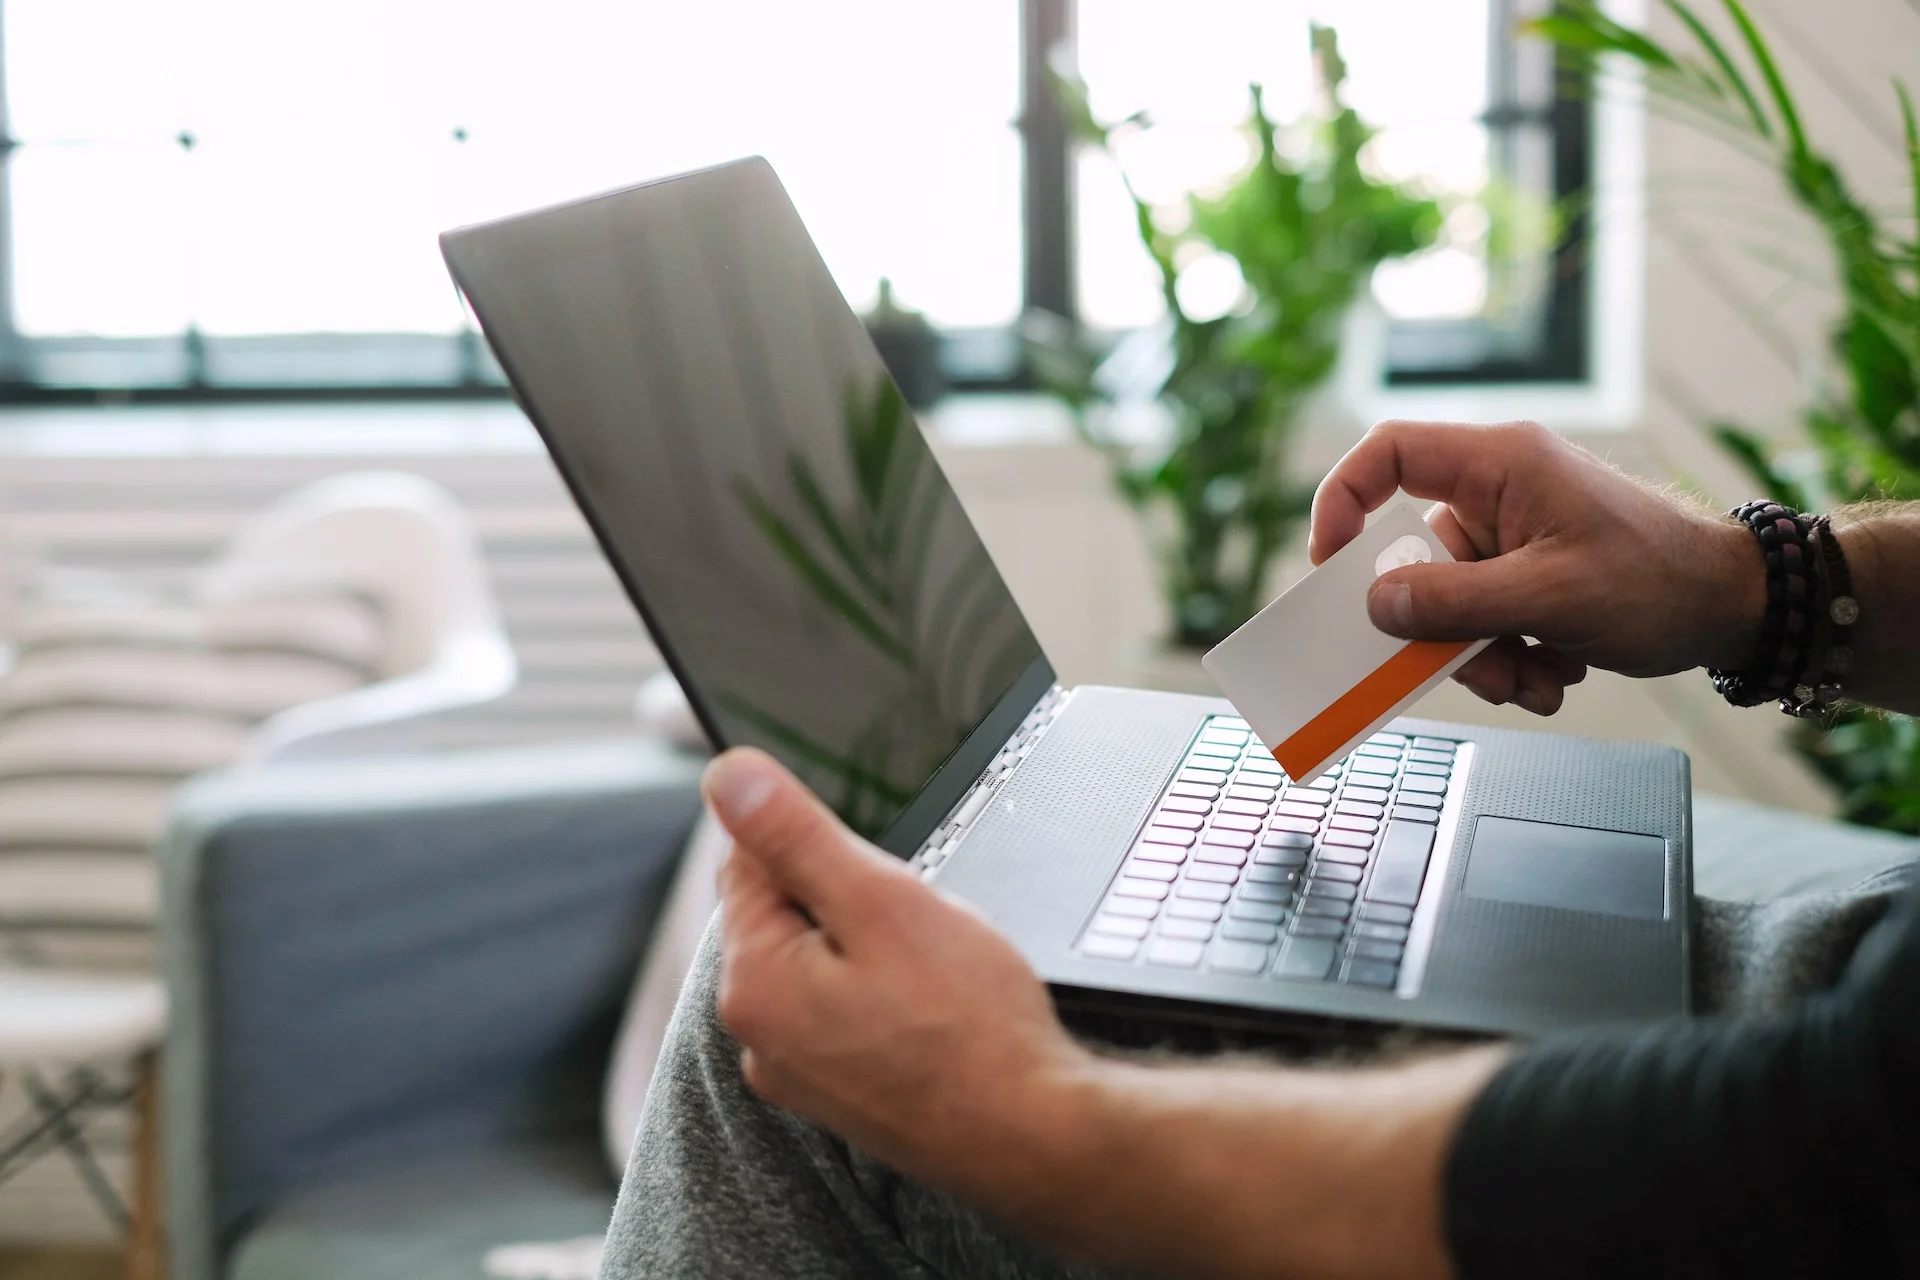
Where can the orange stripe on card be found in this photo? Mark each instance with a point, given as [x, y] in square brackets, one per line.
[1361, 705]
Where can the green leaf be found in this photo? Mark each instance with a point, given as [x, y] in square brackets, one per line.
[818, 579]
[814, 753]
[1752, 454]
[814, 500]
[1913, 164]
[1777, 87]
[1718, 53]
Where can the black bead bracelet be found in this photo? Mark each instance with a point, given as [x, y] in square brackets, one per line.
[1787, 630]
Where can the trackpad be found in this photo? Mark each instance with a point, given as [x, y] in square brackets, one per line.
[1543, 864]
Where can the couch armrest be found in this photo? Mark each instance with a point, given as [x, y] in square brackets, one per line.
[372, 959]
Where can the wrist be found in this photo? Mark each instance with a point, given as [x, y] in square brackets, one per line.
[1731, 593]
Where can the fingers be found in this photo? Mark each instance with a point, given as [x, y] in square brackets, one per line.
[1466, 600]
[805, 851]
[1534, 677]
[1454, 463]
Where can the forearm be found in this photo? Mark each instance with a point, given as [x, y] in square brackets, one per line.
[1882, 546]
[1251, 1170]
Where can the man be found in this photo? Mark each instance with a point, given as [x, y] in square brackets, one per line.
[976, 1138]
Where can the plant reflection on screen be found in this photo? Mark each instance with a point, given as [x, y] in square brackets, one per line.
[866, 559]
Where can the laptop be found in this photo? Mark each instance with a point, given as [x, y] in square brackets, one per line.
[810, 577]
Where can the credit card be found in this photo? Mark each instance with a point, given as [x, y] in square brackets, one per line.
[1312, 674]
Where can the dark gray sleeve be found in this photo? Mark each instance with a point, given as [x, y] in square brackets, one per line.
[1778, 1145]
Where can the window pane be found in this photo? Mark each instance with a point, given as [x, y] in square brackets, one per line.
[331, 143]
[1417, 71]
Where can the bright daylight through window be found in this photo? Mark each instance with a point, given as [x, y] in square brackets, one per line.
[180, 210]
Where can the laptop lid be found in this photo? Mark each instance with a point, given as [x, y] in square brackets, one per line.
[760, 486]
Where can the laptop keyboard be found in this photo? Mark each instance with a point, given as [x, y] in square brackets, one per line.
[1241, 872]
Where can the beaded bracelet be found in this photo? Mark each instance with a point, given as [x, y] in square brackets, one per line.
[1815, 699]
[1787, 630]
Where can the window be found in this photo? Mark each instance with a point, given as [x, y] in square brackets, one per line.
[209, 195]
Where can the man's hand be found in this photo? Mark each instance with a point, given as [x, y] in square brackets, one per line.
[1554, 544]
[869, 1002]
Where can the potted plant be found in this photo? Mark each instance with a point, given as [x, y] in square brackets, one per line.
[1305, 228]
[1863, 421]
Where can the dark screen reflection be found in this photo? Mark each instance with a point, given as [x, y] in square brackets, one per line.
[725, 420]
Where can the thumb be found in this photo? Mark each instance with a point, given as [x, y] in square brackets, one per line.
[1463, 600]
[824, 868]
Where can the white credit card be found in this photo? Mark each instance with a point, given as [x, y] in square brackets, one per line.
[1312, 674]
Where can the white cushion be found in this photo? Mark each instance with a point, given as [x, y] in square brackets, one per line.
[245, 686]
[87, 740]
[71, 1017]
[96, 888]
[83, 813]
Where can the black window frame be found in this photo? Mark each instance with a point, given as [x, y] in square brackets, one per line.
[196, 368]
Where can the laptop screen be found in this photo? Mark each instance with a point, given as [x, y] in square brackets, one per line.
[755, 476]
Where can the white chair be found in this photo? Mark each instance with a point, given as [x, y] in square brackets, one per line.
[398, 538]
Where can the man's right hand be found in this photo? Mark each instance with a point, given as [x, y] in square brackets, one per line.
[1554, 544]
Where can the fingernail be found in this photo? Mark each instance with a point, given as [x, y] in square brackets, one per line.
[736, 784]
[1531, 700]
[1391, 605]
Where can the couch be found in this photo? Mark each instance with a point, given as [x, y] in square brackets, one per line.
[395, 985]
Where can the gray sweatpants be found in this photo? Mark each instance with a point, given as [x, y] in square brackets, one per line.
[723, 1184]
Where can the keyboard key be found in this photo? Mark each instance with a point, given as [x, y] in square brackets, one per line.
[1408, 814]
[1281, 858]
[1271, 875]
[1218, 872]
[1250, 931]
[1184, 821]
[1212, 751]
[1168, 853]
[1257, 892]
[1212, 777]
[1232, 737]
[1389, 739]
[1306, 958]
[1244, 790]
[1257, 761]
[1204, 890]
[1325, 908]
[1252, 808]
[1420, 799]
[1167, 835]
[1120, 926]
[1401, 866]
[1352, 822]
[1231, 839]
[1430, 757]
[1385, 913]
[1324, 782]
[1361, 809]
[1129, 887]
[1434, 744]
[1230, 722]
[1196, 789]
[1384, 932]
[1297, 825]
[1339, 853]
[1107, 947]
[1420, 782]
[1198, 930]
[1238, 957]
[1287, 840]
[1260, 912]
[1339, 873]
[1379, 749]
[1371, 973]
[1137, 869]
[1430, 770]
[1348, 839]
[1175, 952]
[1191, 909]
[1221, 854]
[1372, 795]
[1185, 804]
[1138, 908]
[1318, 927]
[1321, 887]
[1236, 822]
[1373, 764]
[1375, 949]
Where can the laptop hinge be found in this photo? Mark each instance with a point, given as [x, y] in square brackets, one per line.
[1019, 744]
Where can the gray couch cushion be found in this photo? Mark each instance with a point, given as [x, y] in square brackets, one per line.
[432, 1219]
[1750, 853]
